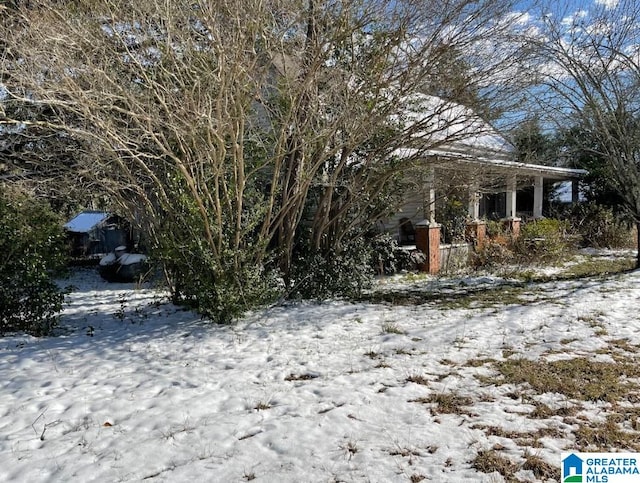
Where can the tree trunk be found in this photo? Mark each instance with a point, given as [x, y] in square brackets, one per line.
[638, 244]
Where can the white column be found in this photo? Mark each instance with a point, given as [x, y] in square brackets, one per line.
[474, 202]
[511, 196]
[429, 209]
[538, 196]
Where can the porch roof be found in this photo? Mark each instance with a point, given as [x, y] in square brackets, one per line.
[499, 165]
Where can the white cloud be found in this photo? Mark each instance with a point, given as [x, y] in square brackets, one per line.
[607, 3]
[575, 18]
[518, 18]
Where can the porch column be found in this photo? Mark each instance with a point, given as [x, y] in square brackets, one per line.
[476, 229]
[511, 196]
[474, 202]
[511, 221]
[538, 196]
[428, 242]
[429, 207]
[427, 230]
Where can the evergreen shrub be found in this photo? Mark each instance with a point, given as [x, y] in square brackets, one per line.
[387, 257]
[321, 274]
[544, 240]
[33, 248]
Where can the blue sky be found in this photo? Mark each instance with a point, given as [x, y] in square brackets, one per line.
[565, 7]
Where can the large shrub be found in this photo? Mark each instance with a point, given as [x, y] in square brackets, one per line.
[387, 257]
[33, 249]
[599, 227]
[322, 274]
[221, 286]
[544, 240]
[540, 241]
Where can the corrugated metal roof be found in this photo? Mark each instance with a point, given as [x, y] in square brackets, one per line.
[86, 221]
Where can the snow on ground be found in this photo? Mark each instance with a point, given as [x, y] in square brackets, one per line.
[134, 388]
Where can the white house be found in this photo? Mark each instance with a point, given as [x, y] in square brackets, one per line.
[453, 146]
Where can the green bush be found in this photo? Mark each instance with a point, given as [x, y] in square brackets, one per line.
[210, 264]
[387, 257]
[544, 240]
[215, 286]
[33, 250]
[324, 274]
[496, 229]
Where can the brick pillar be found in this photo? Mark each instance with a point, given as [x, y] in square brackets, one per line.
[476, 232]
[513, 226]
[428, 242]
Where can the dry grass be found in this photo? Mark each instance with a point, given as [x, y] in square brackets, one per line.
[579, 378]
[262, 406]
[542, 470]
[479, 362]
[350, 448]
[300, 377]
[447, 403]
[391, 328]
[606, 436]
[592, 267]
[417, 379]
[624, 345]
[489, 461]
[592, 319]
[542, 411]
[522, 438]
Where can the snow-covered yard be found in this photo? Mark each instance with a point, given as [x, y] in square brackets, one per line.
[134, 388]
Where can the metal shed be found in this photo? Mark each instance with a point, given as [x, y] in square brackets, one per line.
[92, 234]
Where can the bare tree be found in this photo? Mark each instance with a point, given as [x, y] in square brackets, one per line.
[221, 125]
[589, 62]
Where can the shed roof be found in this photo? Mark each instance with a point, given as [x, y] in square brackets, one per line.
[86, 221]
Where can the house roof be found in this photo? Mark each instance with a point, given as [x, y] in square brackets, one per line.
[448, 124]
[461, 137]
[86, 221]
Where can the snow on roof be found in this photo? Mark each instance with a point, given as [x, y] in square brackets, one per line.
[452, 124]
[457, 133]
[86, 221]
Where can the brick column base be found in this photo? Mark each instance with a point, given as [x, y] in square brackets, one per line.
[476, 232]
[428, 242]
[513, 226]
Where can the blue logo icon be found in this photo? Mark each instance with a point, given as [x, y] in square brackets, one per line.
[572, 469]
